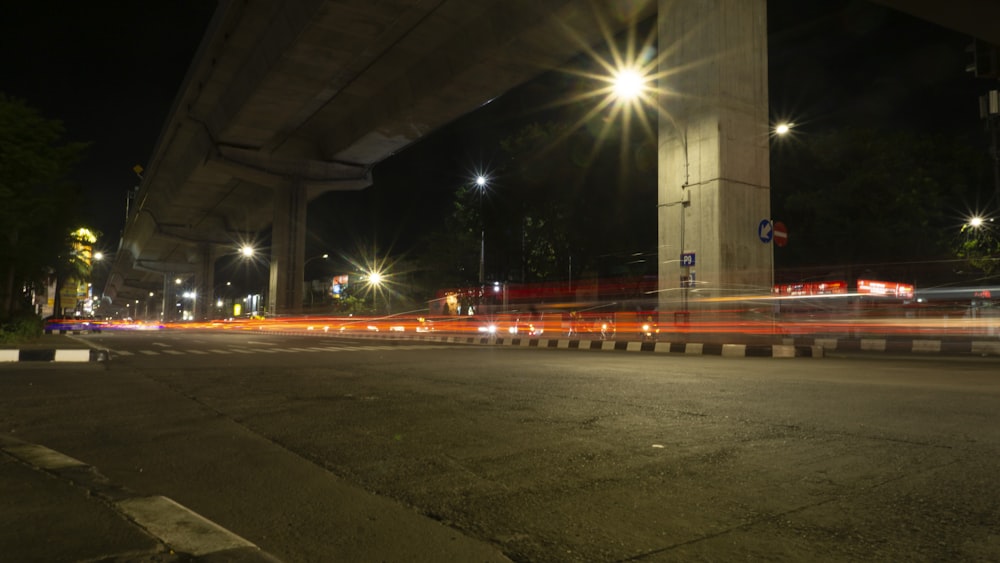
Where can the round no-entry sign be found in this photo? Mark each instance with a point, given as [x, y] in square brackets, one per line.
[780, 234]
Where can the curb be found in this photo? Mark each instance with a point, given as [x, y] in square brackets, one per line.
[175, 526]
[917, 346]
[683, 348]
[55, 355]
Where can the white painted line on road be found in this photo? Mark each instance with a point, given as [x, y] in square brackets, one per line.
[180, 528]
[122, 353]
[217, 351]
[199, 352]
[317, 349]
[268, 351]
[173, 352]
[242, 350]
[161, 344]
[43, 457]
[149, 352]
[300, 349]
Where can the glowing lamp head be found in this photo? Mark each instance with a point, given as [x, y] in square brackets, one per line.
[628, 84]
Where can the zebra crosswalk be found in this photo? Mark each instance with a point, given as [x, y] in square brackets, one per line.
[270, 350]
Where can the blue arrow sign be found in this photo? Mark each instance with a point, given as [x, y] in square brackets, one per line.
[765, 231]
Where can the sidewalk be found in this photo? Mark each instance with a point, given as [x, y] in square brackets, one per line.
[57, 508]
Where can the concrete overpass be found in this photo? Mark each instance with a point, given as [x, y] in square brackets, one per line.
[288, 100]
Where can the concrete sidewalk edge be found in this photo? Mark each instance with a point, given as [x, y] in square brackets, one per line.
[179, 529]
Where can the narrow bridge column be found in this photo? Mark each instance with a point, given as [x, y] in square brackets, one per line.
[168, 298]
[288, 240]
[204, 281]
[714, 180]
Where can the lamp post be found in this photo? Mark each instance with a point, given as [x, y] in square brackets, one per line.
[481, 186]
[374, 281]
[324, 256]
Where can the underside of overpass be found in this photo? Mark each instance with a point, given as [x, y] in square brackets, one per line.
[288, 100]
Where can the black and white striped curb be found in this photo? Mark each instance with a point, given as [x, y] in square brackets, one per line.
[813, 347]
[178, 528]
[687, 348]
[953, 347]
[57, 355]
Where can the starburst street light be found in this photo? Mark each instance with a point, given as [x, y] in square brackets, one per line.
[481, 185]
[629, 83]
[247, 251]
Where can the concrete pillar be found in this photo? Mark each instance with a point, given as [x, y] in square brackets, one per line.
[204, 281]
[288, 241]
[168, 298]
[714, 178]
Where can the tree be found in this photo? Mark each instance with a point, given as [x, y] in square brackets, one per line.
[860, 198]
[37, 202]
[979, 245]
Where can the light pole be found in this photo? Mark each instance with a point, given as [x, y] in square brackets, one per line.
[374, 281]
[324, 256]
[481, 186]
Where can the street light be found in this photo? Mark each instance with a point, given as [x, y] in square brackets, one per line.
[481, 182]
[312, 292]
[628, 83]
[323, 256]
[375, 279]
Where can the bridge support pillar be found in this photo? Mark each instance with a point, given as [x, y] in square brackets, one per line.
[714, 178]
[168, 298]
[288, 240]
[204, 281]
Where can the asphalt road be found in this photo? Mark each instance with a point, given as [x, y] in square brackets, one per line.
[321, 449]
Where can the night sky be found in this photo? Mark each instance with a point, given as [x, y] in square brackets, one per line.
[110, 73]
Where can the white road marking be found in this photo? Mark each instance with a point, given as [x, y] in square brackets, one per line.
[122, 353]
[199, 352]
[149, 352]
[217, 351]
[173, 352]
[161, 344]
[179, 527]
